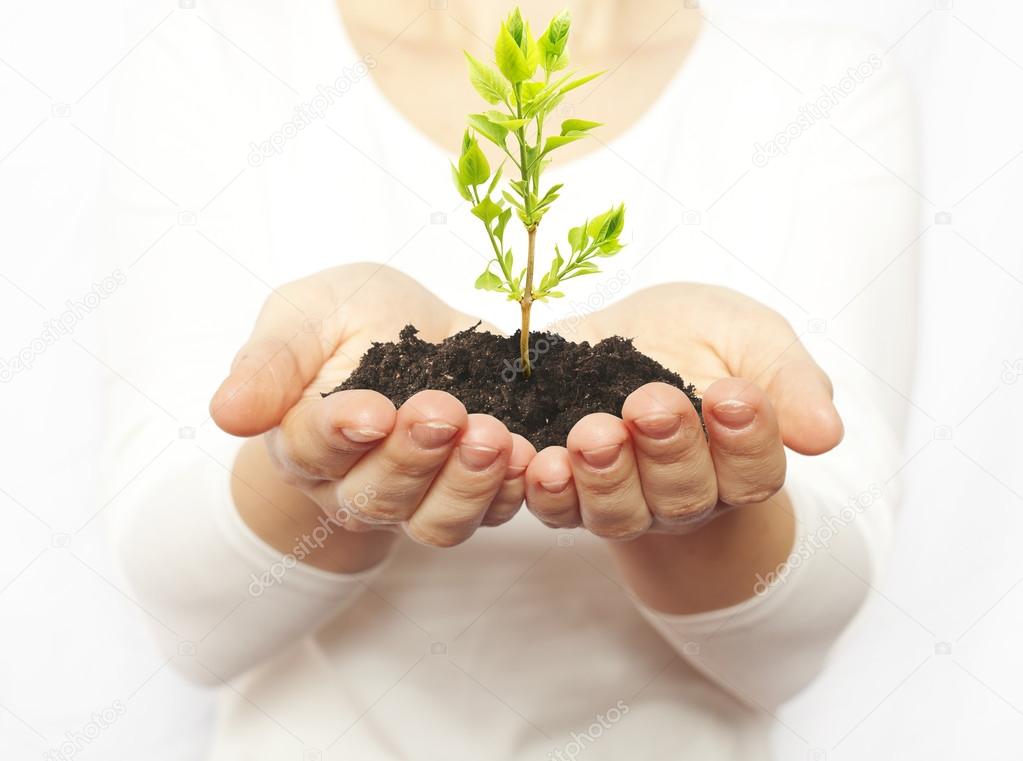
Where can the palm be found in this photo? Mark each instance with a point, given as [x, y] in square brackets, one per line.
[705, 333]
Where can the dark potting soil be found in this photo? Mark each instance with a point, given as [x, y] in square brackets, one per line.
[569, 380]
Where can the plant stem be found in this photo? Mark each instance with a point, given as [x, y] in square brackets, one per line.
[526, 302]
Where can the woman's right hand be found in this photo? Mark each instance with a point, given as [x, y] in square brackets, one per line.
[429, 468]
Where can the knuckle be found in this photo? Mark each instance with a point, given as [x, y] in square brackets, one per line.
[754, 491]
[619, 531]
[437, 534]
[559, 518]
[617, 520]
[750, 497]
[500, 514]
[689, 507]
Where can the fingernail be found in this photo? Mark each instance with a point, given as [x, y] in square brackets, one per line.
[602, 457]
[514, 471]
[555, 487]
[658, 426]
[734, 414]
[362, 435]
[477, 457]
[433, 434]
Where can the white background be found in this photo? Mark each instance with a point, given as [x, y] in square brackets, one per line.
[931, 670]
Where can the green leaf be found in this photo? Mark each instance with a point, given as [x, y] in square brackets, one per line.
[502, 222]
[503, 120]
[583, 268]
[515, 25]
[486, 210]
[610, 248]
[577, 238]
[577, 125]
[495, 133]
[496, 179]
[553, 41]
[463, 191]
[579, 82]
[488, 281]
[510, 58]
[616, 222]
[488, 83]
[556, 265]
[513, 201]
[473, 168]
[607, 226]
[529, 91]
[557, 141]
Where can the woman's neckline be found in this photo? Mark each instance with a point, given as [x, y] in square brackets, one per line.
[673, 83]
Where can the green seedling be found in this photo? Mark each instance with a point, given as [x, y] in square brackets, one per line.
[525, 88]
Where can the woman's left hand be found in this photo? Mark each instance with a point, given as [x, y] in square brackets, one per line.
[653, 469]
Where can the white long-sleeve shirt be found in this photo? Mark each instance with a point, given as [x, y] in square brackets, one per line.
[522, 643]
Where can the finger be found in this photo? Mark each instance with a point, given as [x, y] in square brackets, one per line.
[550, 490]
[324, 438]
[399, 471]
[278, 361]
[801, 394]
[675, 467]
[459, 496]
[513, 488]
[745, 441]
[604, 468]
[798, 388]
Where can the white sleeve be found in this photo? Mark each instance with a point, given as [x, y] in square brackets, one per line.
[190, 248]
[852, 244]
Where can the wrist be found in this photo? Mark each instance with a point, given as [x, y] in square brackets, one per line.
[713, 567]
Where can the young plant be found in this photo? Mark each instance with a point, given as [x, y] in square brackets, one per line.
[527, 87]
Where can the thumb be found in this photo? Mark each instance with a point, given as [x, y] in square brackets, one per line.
[801, 394]
[270, 372]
